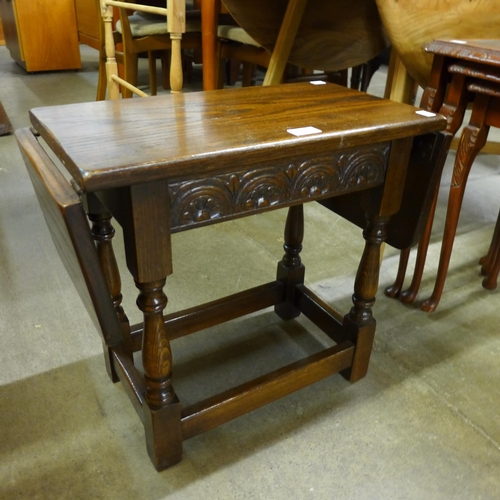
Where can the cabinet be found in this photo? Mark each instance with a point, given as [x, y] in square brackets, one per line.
[87, 17]
[41, 35]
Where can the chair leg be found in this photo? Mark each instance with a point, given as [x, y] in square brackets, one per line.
[130, 62]
[152, 72]
[165, 67]
[472, 140]
[101, 78]
[233, 71]
[356, 76]
[247, 74]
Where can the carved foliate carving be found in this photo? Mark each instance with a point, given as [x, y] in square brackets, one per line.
[226, 196]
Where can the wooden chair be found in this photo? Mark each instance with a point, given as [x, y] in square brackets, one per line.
[175, 27]
[234, 44]
[149, 30]
[117, 39]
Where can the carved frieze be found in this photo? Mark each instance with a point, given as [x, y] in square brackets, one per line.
[220, 197]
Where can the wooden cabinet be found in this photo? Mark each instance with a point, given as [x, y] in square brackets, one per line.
[87, 18]
[41, 35]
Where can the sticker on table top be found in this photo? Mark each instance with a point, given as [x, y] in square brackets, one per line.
[463, 42]
[428, 114]
[304, 131]
[317, 82]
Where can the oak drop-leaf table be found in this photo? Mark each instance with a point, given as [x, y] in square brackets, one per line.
[177, 162]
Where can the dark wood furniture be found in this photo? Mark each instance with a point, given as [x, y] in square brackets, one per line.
[173, 163]
[462, 71]
[42, 35]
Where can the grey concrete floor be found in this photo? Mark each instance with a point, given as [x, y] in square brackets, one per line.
[423, 424]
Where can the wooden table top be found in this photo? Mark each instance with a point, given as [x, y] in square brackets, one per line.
[109, 144]
[479, 51]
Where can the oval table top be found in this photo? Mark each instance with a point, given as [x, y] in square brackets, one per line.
[333, 34]
[413, 23]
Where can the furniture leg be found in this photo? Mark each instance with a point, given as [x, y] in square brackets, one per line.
[101, 79]
[165, 69]
[400, 85]
[144, 214]
[409, 295]
[491, 262]
[152, 72]
[472, 140]
[453, 109]
[290, 269]
[356, 76]
[247, 74]
[487, 261]
[490, 282]
[434, 94]
[395, 289]
[359, 322]
[209, 15]
[103, 232]
[162, 415]
[130, 63]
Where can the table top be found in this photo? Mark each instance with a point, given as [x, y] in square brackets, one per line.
[479, 51]
[110, 144]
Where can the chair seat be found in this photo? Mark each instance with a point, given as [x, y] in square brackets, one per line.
[145, 24]
[236, 34]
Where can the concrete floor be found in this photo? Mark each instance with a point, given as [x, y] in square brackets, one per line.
[423, 424]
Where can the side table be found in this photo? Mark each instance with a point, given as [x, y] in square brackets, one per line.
[462, 71]
[177, 162]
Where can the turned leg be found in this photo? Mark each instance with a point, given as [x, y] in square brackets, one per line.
[146, 210]
[162, 412]
[103, 233]
[359, 322]
[472, 140]
[291, 270]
